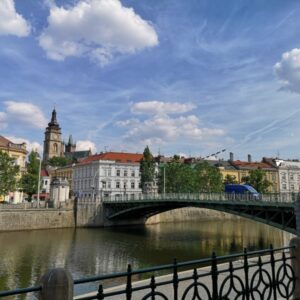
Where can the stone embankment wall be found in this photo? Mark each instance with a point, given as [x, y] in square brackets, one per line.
[188, 214]
[30, 219]
[89, 214]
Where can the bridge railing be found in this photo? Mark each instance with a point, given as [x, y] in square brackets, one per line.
[263, 274]
[220, 197]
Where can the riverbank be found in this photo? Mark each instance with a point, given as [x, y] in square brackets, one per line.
[89, 215]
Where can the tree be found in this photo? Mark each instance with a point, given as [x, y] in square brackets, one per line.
[208, 178]
[147, 167]
[257, 179]
[57, 161]
[8, 174]
[183, 178]
[29, 181]
[230, 179]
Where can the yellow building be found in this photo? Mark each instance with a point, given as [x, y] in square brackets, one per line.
[244, 168]
[62, 172]
[18, 152]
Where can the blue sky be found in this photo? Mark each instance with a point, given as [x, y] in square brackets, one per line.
[190, 77]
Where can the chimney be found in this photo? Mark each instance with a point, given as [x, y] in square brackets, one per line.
[231, 156]
[249, 158]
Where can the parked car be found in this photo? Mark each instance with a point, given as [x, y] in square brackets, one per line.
[242, 189]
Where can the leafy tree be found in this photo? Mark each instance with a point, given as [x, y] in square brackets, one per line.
[183, 178]
[147, 167]
[57, 161]
[208, 178]
[230, 179]
[257, 179]
[8, 174]
[29, 181]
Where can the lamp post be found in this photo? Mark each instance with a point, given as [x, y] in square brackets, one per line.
[39, 181]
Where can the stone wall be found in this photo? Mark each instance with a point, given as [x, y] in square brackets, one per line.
[31, 219]
[188, 214]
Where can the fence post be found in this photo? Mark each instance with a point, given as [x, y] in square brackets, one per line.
[57, 284]
[295, 252]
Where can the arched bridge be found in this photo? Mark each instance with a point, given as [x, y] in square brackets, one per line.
[274, 209]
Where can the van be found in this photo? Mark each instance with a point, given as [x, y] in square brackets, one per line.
[241, 189]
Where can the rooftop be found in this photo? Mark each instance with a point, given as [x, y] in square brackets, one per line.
[121, 157]
[7, 144]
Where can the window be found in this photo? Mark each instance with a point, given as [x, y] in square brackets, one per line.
[118, 184]
[273, 177]
[132, 173]
[125, 173]
[291, 176]
[284, 186]
[104, 184]
[132, 184]
[46, 182]
[125, 185]
[292, 187]
[55, 148]
[118, 172]
[283, 176]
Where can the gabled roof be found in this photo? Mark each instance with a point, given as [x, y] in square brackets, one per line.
[114, 156]
[251, 165]
[44, 173]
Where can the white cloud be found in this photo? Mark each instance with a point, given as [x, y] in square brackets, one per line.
[3, 120]
[159, 107]
[12, 23]
[29, 145]
[288, 70]
[100, 29]
[164, 129]
[26, 113]
[85, 145]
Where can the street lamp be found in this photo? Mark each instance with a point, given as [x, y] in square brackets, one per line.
[39, 180]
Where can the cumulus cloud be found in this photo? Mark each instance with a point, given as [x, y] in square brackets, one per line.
[25, 112]
[158, 107]
[288, 70]
[85, 145]
[35, 146]
[12, 23]
[3, 120]
[99, 29]
[163, 129]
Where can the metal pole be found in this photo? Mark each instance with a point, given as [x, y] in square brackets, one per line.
[39, 182]
[164, 180]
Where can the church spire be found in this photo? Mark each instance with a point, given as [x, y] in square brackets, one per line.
[53, 118]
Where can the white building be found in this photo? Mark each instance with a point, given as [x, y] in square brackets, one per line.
[45, 182]
[289, 175]
[110, 173]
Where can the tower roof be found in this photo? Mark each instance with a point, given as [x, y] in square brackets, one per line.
[53, 123]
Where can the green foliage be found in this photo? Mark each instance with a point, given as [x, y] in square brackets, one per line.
[8, 174]
[29, 181]
[208, 178]
[230, 179]
[147, 167]
[257, 179]
[183, 178]
[59, 161]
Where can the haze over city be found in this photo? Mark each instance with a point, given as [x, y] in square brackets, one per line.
[190, 77]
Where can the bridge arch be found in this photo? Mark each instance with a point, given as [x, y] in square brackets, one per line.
[276, 216]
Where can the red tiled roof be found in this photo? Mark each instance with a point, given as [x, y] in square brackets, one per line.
[44, 173]
[251, 165]
[117, 156]
[4, 141]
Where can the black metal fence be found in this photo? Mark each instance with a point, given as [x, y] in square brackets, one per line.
[263, 274]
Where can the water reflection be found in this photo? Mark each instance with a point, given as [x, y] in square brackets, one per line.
[25, 256]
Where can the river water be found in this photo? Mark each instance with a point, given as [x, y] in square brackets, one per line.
[26, 255]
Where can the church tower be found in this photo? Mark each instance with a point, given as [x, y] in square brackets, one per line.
[53, 146]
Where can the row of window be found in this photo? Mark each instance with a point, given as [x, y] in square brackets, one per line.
[88, 172]
[85, 184]
[292, 187]
[291, 176]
